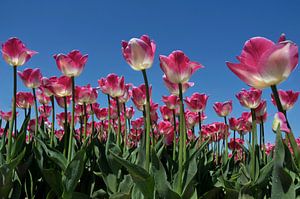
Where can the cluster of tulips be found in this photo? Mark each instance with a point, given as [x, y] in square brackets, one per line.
[90, 151]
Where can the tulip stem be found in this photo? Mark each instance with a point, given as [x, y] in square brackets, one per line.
[108, 101]
[200, 126]
[85, 121]
[36, 113]
[66, 128]
[181, 141]
[254, 142]
[53, 121]
[119, 123]
[11, 122]
[226, 141]
[290, 135]
[147, 120]
[174, 138]
[70, 153]
[125, 131]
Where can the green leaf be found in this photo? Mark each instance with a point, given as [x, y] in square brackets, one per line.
[161, 184]
[73, 172]
[120, 196]
[140, 176]
[126, 184]
[53, 178]
[282, 182]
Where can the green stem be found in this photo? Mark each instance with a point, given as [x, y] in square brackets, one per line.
[11, 122]
[53, 121]
[181, 141]
[70, 152]
[174, 139]
[200, 126]
[109, 125]
[254, 142]
[226, 141]
[125, 132]
[66, 134]
[119, 123]
[147, 121]
[36, 113]
[85, 121]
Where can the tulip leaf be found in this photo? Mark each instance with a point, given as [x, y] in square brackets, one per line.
[161, 184]
[282, 182]
[53, 178]
[140, 176]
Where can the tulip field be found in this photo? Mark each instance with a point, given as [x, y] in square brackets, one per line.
[68, 146]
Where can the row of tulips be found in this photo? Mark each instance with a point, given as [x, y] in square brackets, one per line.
[90, 151]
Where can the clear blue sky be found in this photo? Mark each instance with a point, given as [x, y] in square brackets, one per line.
[209, 32]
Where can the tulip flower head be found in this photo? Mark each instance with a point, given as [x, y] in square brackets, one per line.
[280, 122]
[15, 53]
[174, 88]
[171, 101]
[197, 102]
[249, 98]
[31, 77]
[72, 64]
[24, 100]
[177, 67]
[85, 94]
[287, 99]
[223, 109]
[113, 85]
[139, 53]
[62, 86]
[264, 63]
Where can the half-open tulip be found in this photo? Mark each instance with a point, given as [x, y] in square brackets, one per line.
[129, 112]
[280, 122]
[249, 98]
[85, 94]
[72, 64]
[113, 85]
[287, 99]
[62, 86]
[15, 53]
[197, 102]
[7, 116]
[24, 100]
[174, 88]
[42, 97]
[223, 109]
[264, 63]
[31, 77]
[139, 96]
[171, 101]
[177, 67]
[139, 53]
[166, 128]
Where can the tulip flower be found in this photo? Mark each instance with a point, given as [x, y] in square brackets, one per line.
[101, 113]
[59, 134]
[46, 85]
[85, 94]
[7, 116]
[41, 97]
[287, 99]
[197, 102]
[137, 123]
[191, 119]
[167, 130]
[129, 112]
[15, 53]
[249, 98]
[171, 101]
[24, 100]
[174, 88]
[139, 53]
[235, 144]
[61, 101]
[127, 94]
[62, 86]
[177, 67]
[45, 111]
[264, 63]
[166, 113]
[31, 77]
[269, 148]
[72, 64]
[223, 109]
[139, 96]
[112, 85]
[280, 122]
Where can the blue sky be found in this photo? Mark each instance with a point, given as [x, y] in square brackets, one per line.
[210, 32]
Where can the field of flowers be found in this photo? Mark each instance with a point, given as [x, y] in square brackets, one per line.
[70, 147]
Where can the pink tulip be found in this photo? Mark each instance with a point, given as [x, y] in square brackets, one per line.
[72, 64]
[166, 113]
[216, 131]
[287, 98]
[60, 118]
[46, 85]
[85, 94]
[174, 88]
[197, 102]
[264, 63]
[101, 113]
[250, 98]
[7, 116]
[129, 112]
[61, 101]
[235, 144]
[24, 100]
[41, 97]
[233, 123]
[177, 67]
[280, 122]
[15, 53]
[223, 109]
[171, 101]
[127, 94]
[139, 53]
[112, 85]
[62, 86]
[59, 134]
[191, 119]
[31, 77]
[166, 129]
[139, 96]
[261, 112]
[45, 111]
[137, 123]
[269, 148]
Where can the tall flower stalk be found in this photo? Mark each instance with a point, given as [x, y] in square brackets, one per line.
[72, 121]
[36, 113]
